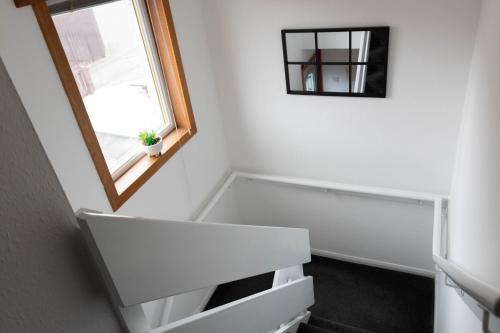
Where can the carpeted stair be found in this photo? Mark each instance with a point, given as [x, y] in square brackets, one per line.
[308, 328]
[322, 325]
[351, 298]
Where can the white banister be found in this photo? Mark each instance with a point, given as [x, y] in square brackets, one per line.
[150, 259]
[293, 325]
[259, 313]
[142, 260]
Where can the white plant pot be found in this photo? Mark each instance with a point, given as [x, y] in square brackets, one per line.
[154, 150]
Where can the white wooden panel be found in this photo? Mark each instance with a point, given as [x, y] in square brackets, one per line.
[293, 325]
[259, 313]
[143, 259]
[282, 276]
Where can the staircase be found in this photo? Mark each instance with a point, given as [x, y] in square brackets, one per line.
[142, 260]
[231, 291]
[352, 298]
[262, 285]
[322, 325]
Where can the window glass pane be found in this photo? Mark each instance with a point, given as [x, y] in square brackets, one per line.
[108, 58]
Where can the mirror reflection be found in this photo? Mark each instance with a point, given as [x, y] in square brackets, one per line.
[333, 46]
[301, 47]
[347, 62]
[335, 78]
[360, 45]
[303, 77]
[359, 83]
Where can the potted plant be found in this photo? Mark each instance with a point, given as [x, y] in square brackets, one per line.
[151, 143]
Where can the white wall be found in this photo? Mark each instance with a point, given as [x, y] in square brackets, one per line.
[374, 230]
[180, 188]
[405, 141]
[474, 208]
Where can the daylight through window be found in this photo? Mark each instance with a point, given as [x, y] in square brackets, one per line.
[112, 55]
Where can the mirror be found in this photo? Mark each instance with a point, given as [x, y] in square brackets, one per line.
[301, 47]
[303, 77]
[333, 46]
[336, 62]
[335, 78]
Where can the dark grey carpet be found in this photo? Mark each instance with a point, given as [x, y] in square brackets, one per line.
[321, 325]
[376, 299]
[373, 299]
[333, 326]
[307, 328]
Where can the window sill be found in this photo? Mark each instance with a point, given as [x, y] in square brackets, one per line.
[146, 167]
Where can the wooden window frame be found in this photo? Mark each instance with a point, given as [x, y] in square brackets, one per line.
[160, 15]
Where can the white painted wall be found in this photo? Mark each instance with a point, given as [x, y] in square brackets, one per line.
[392, 233]
[182, 185]
[405, 141]
[474, 208]
[226, 209]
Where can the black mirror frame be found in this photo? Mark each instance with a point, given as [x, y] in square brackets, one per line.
[384, 30]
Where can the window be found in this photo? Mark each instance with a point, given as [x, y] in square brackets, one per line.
[118, 75]
[120, 66]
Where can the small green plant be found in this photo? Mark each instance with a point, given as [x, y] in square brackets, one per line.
[148, 138]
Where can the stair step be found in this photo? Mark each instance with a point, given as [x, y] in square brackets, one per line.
[308, 328]
[334, 326]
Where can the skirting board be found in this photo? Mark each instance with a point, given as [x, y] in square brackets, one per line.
[374, 263]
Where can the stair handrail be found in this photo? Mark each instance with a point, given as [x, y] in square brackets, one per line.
[487, 295]
[484, 293]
